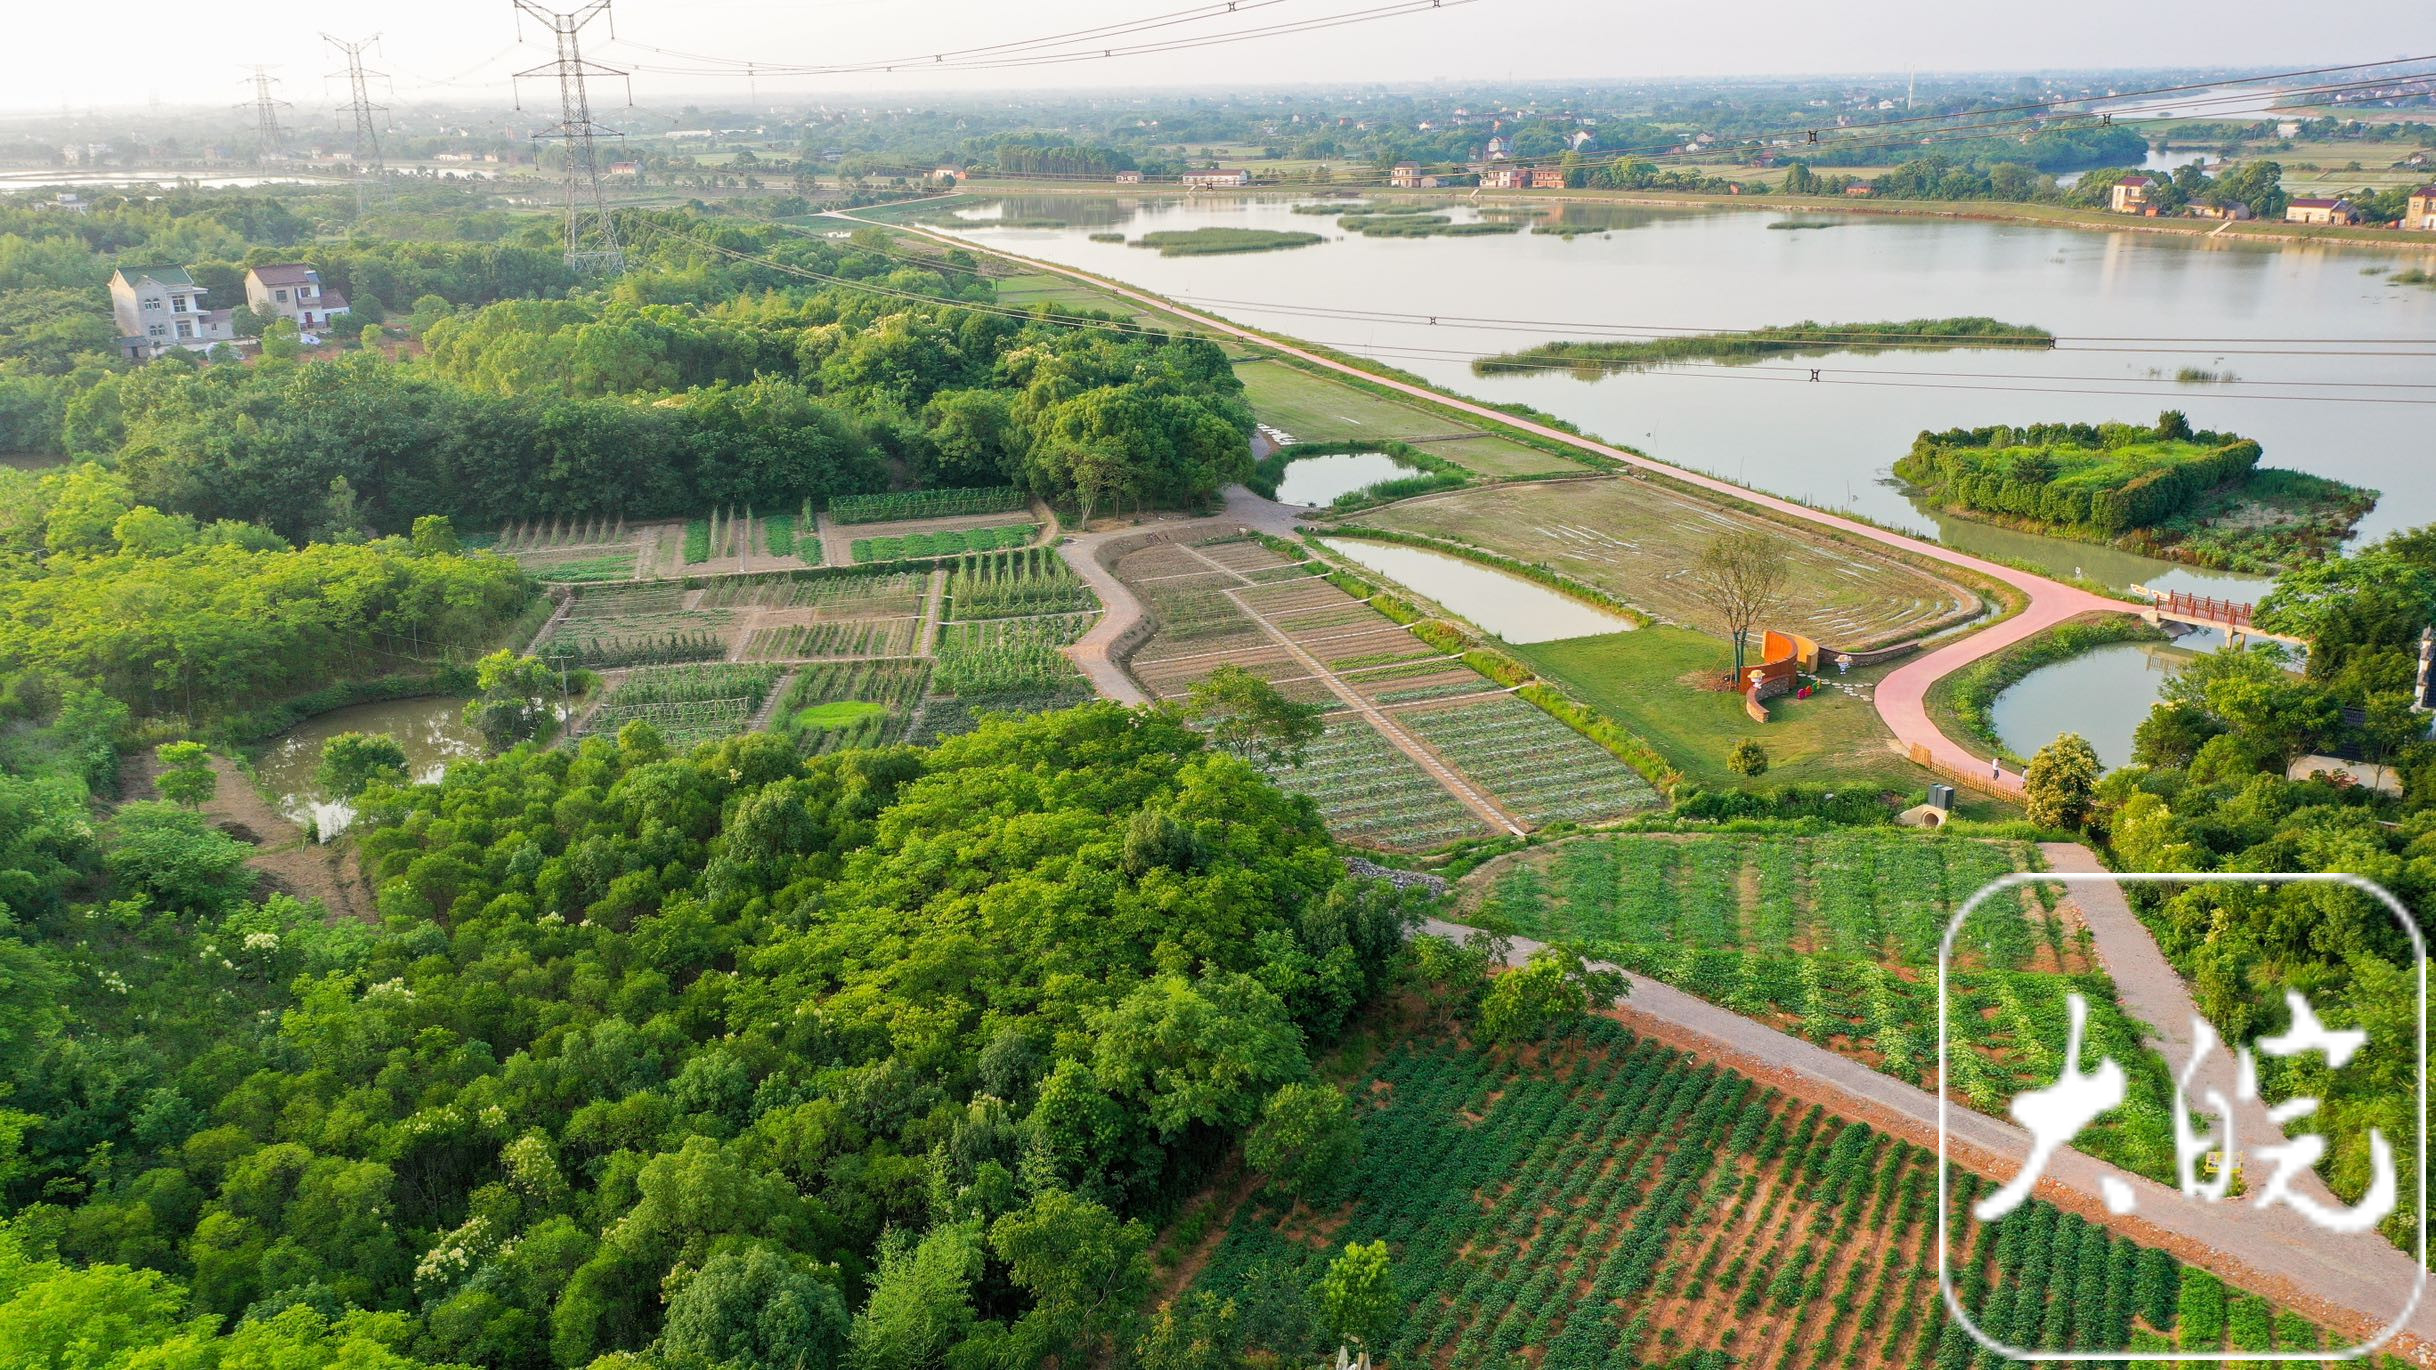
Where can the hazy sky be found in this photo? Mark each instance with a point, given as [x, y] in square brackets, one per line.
[195, 52]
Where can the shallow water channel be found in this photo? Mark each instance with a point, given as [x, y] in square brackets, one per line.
[1503, 606]
[430, 728]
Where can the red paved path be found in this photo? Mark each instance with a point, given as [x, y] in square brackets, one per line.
[1900, 698]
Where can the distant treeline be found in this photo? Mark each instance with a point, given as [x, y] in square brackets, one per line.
[2107, 478]
[1806, 338]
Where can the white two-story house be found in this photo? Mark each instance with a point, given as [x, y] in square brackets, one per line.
[293, 290]
[161, 307]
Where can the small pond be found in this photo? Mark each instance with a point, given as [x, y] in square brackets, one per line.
[2102, 694]
[430, 728]
[1317, 481]
[1504, 606]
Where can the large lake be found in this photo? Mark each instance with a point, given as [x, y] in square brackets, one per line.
[1832, 443]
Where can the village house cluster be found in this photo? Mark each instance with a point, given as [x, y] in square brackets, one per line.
[2137, 195]
[159, 308]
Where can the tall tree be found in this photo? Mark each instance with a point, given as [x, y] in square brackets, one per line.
[1358, 1298]
[1741, 577]
[1248, 717]
[2061, 781]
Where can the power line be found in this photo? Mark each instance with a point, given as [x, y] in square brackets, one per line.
[1006, 61]
[592, 243]
[270, 140]
[368, 165]
[1194, 14]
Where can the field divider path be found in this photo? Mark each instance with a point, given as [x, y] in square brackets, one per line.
[2352, 1284]
[1386, 725]
[934, 609]
[767, 713]
[1900, 699]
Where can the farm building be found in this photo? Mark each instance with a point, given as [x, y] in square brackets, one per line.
[1129, 178]
[2421, 215]
[1217, 180]
[1405, 176]
[2313, 210]
[2131, 195]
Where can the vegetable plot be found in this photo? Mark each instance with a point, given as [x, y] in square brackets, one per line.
[919, 504]
[1035, 580]
[1607, 1201]
[688, 704]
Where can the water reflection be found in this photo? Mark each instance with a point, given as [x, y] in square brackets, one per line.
[431, 729]
[1501, 605]
[1317, 481]
[2102, 694]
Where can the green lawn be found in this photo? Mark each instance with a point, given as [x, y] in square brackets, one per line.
[1318, 409]
[1637, 678]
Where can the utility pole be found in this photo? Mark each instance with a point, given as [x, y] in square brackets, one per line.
[270, 140]
[592, 243]
[359, 103]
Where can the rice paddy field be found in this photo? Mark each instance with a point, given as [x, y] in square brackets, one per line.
[1636, 540]
[1609, 1201]
[1419, 751]
[1834, 939]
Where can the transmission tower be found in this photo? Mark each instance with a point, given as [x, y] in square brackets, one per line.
[591, 236]
[368, 166]
[270, 140]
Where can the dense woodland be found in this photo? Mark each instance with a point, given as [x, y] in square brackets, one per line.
[2105, 478]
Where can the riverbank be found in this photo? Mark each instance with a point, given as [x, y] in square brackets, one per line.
[1985, 211]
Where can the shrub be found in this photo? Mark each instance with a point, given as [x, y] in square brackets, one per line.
[1748, 758]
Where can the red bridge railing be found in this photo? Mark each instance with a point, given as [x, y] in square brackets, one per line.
[2206, 609]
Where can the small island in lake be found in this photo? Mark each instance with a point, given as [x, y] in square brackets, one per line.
[2163, 490]
[1207, 242]
[1804, 339]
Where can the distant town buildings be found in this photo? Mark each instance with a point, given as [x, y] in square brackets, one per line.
[161, 307]
[293, 291]
[2311, 210]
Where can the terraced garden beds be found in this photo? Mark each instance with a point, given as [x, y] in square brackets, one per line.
[1607, 1201]
[946, 542]
[1016, 584]
[1369, 792]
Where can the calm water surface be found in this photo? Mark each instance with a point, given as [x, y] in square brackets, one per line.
[2102, 694]
[431, 729]
[1832, 442]
[1504, 606]
[1317, 481]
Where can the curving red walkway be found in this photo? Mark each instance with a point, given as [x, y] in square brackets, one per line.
[1901, 698]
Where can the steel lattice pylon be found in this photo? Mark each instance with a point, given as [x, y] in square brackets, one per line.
[270, 140]
[368, 167]
[592, 243]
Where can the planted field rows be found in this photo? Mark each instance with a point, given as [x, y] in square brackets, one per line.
[947, 542]
[1537, 768]
[1017, 584]
[688, 704]
[739, 538]
[847, 637]
[1370, 792]
[560, 535]
[1238, 602]
[1835, 939]
[1007, 656]
[834, 706]
[920, 504]
[1607, 1201]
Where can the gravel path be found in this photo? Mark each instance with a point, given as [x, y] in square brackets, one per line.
[1900, 698]
[2355, 1285]
[2152, 992]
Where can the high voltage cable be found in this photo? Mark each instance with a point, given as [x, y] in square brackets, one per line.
[940, 62]
[1173, 17]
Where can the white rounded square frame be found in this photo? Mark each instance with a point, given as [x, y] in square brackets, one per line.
[1945, 952]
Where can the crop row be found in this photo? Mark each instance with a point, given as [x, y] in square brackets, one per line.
[835, 706]
[1014, 584]
[916, 504]
[605, 650]
[533, 535]
[1369, 791]
[1540, 769]
[1005, 656]
[948, 542]
[835, 637]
